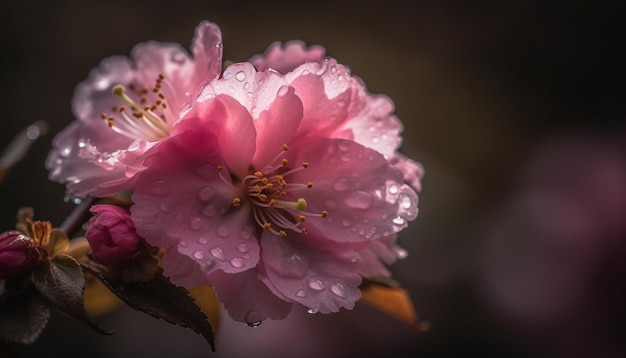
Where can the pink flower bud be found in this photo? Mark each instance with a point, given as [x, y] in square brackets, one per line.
[18, 255]
[112, 236]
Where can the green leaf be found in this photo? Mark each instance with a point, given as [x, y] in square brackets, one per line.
[61, 282]
[158, 298]
[23, 315]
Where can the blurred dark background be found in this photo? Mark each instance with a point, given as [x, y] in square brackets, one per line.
[515, 108]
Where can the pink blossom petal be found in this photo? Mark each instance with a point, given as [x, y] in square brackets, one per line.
[182, 270]
[182, 200]
[365, 197]
[326, 100]
[230, 122]
[299, 270]
[286, 57]
[379, 253]
[207, 51]
[247, 299]
[412, 170]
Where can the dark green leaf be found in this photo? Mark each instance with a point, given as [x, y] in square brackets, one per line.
[160, 299]
[23, 315]
[61, 282]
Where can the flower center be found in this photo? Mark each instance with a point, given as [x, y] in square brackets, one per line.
[149, 117]
[268, 189]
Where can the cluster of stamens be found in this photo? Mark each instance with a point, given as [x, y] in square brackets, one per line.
[150, 118]
[268, 189]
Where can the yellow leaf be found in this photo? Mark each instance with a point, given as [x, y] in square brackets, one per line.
[393, 301]
[206, 299]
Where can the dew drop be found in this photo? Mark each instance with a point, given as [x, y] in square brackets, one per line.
[209, 210]
[346, 223]
[206, 194]
[400, 253]
[219, 44]
[198, 254]
[237, 262]
[398, 220]
[359, 200]
[243, 247]
[163, 207]
[393, 189]
[228, 75]
[333, 69]
[196, 223]
[341, 184]
[245, 235]
[217, 252]
[316, 285]
[247, 86]
[253, 318]
[338, 290]
[345, 157]
[66, 151]
[182, 244]
[240, 76]
[178, 57]
[406, 203]
[313, 310]
[301, 294]
[160, 188]
[202, 240]
[223, 231]
[282, 91]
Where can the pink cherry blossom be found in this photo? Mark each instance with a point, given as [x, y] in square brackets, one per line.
[101, 152]
[274, 190]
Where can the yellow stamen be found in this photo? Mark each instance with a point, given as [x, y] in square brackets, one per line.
[282, 233]
[324, 213]
[236, 202]
[266, 226]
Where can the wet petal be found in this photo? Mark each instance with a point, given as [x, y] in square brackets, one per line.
[247, 299]
[301, 270]
[182, 200]
[365, 197]
[286, 57]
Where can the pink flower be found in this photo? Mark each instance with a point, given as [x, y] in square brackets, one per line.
[279, 189]
[112, 237]
[18, 255]
[126, 106]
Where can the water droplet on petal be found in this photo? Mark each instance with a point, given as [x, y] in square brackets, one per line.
[160, 188]
[217, 252]
[359, 200]
[163, 207]
[341, 184]
[240, 76]
[400, 252]
[301, 294]
[398, 220]
[237, 262]
[228, 75]
[202, 240]
[313, 310]
[206, 194]
[223, 231]
[196, 223]
[209, 210]
[178, 57]
[406, 203]
[219, 44]
[245, 235]
[316, 285]
[346, 223]
[243, 247]
[182, 244]
[283, 91]
[338, 290]
[393, 189]
[253, 318]
[345, 157]
[198, 254]
[333, 69]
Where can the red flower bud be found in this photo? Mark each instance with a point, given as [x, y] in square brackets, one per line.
[18, 255]
[112, 237]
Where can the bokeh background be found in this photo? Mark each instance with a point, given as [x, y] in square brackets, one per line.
[515, 108]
